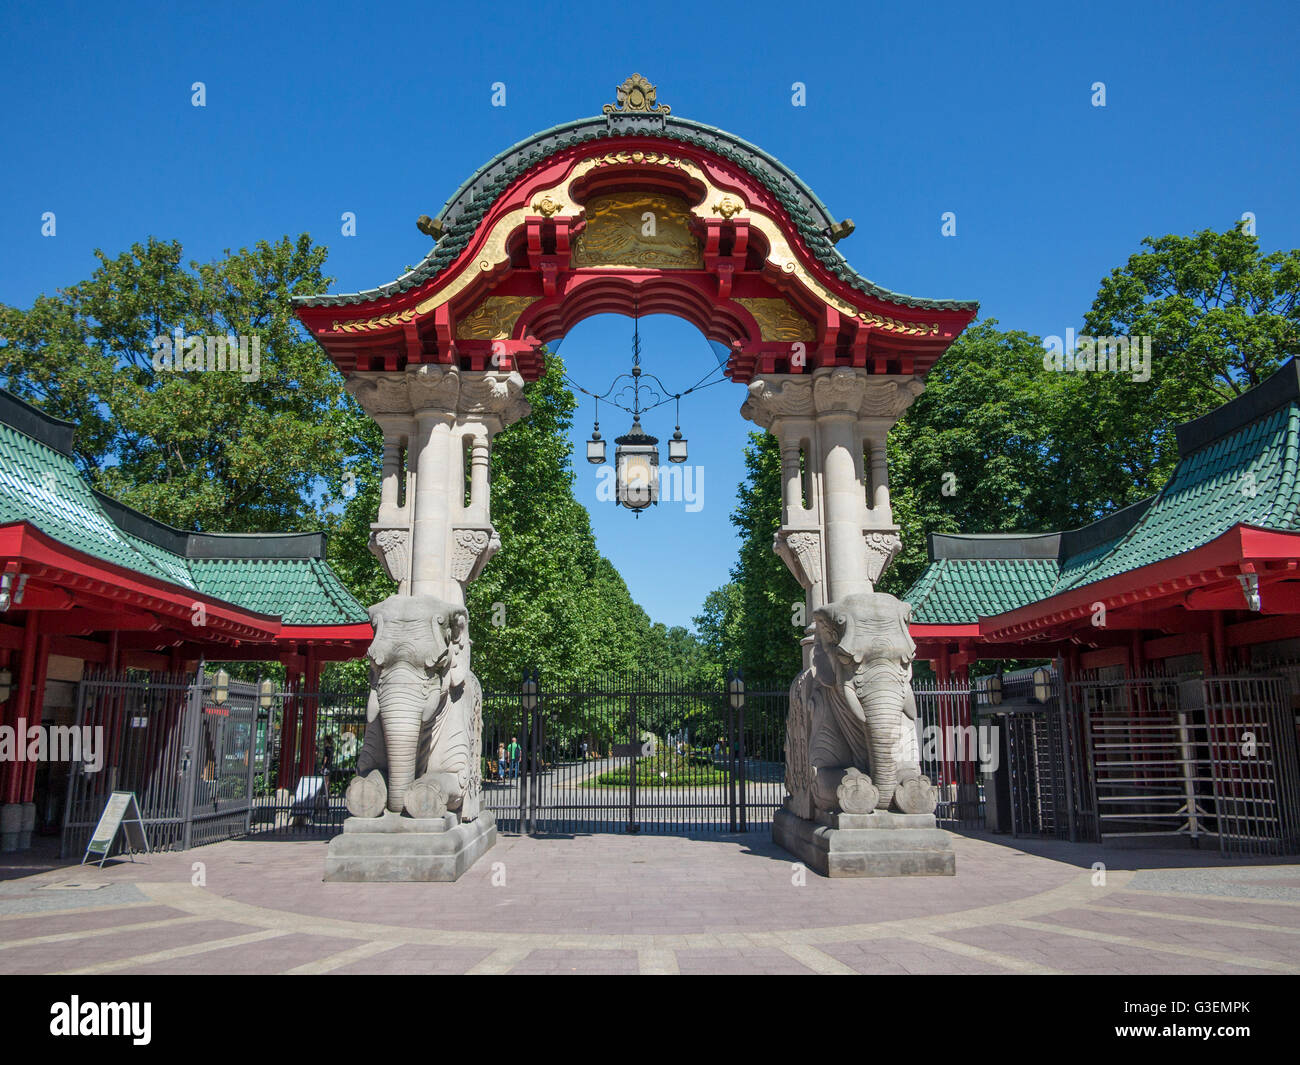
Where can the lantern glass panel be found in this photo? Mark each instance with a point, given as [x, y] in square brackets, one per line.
[638, 479]
[676, 450]
[596, 452]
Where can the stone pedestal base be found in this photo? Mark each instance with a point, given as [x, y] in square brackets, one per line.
[13, 821]
[874, 844]
[396, 849]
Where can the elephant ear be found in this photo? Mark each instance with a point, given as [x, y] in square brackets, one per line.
[437, 657]
[904, 616]
[378, 649]
[909, 702]
[458, 650]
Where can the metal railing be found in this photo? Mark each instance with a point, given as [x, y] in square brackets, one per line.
[182, 748]
[634, 753]
[1194, 757]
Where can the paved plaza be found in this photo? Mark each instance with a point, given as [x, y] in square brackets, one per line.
[654, 904]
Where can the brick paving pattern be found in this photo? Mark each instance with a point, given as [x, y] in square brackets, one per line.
[655, 905]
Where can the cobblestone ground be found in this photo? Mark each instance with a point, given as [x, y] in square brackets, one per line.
[653, 904]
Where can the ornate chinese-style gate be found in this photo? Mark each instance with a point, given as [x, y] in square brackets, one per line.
[634, 211]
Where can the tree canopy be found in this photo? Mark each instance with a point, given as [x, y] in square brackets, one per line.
[997, 442]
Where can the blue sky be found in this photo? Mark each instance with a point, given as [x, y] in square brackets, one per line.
[984, 110]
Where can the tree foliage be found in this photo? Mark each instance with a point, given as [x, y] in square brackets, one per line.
[201, 450]
[999, 443]
[291, 451]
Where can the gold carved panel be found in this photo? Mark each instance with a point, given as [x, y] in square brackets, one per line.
[494, 318]
[777, 320]
[638, 229]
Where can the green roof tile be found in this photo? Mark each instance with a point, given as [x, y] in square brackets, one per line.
[959, 591]
[1247, 475]
[41, 485]
[1246, 478]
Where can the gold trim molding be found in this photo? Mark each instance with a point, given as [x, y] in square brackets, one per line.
[777, 320]
[494, 318]
[366, 325]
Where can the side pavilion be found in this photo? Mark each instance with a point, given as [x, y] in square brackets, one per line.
[92, 585]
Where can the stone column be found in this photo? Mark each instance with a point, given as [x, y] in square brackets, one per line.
[434, 545]
[420, 760]
[837, 395]
[479, 490]
[874, 432]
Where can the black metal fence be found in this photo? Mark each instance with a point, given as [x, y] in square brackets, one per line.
[184, 749]
[634, 753]
[949, 749]
[301, 769]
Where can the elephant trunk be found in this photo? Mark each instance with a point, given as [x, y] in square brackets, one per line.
[401, 705]
[884, 713]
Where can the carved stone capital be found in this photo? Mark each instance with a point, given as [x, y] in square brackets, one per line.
[883, 546]
[472, 547]
[492, 396]
[778, 396]
[433, 387]
[800, 550]
[495, 395]
[839, 390]
[392, 546]
[889, 397]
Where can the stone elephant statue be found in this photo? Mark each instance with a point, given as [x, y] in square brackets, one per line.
[424, 716]
[851, 743]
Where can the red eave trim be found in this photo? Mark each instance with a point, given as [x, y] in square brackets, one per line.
[1167, 579]
[944, 632]
[359, 631]
[22, 540]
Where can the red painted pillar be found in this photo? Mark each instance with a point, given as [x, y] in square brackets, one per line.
[27, 786]
[310, 706]
[19, 704]
[287, 776]
[1220, 644]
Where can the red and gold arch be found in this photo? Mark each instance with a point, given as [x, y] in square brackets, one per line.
[635, 209]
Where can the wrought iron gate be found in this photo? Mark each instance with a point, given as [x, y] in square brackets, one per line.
[187, 756]
[634, 753]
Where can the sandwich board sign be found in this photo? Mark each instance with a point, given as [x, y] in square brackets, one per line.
[121, 813]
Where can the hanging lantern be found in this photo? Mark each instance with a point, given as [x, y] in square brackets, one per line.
[677, 447]
[636, 460]
[596, 447]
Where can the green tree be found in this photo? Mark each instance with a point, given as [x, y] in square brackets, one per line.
[768, 644]
[1221, 316]
[549, 599]
[720, 623]
[203, 450]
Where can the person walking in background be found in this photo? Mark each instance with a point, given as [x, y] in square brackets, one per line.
[501, 761]
[514, 758]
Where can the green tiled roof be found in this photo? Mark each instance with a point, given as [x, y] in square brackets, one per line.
[1247, 478]
[40, 484]
[461, 214]
[1239, 465]
[301, 591]
[959, 591]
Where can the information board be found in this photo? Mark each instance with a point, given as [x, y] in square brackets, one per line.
[121, 814]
